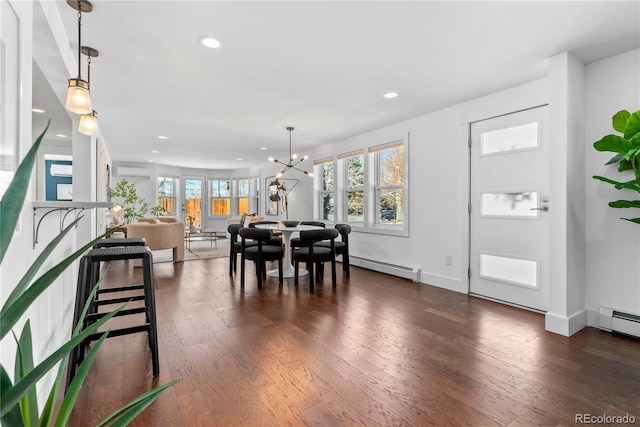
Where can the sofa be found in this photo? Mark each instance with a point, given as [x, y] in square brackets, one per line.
[160, 233]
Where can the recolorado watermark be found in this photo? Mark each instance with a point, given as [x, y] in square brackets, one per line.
[604, 419]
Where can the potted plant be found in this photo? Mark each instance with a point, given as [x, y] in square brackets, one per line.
[132, 205]
[18, 400]
[627, 149]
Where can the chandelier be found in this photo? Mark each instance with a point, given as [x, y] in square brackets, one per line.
[292, 163]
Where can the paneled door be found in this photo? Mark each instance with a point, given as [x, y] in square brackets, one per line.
[510, 208]
[193, 204]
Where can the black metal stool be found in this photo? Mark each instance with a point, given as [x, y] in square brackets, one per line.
[88, 276]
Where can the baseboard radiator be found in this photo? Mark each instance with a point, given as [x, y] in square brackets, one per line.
[612, 320]
[387, 268]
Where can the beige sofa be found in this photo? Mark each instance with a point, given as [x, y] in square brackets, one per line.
[160, 233]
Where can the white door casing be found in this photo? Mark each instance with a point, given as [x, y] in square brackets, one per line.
[510, 208]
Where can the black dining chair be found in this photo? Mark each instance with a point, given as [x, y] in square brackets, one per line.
[296, 242]
[275, 240]
[235, 246]
[259, 252]
[342, 247]
[318, 255]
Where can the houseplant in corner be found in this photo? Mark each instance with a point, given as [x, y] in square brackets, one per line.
[134, 206]
[627, 149]
[18, 400]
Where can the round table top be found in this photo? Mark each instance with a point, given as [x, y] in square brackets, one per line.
[281, 227]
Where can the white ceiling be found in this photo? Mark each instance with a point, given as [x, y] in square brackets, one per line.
[320, 67]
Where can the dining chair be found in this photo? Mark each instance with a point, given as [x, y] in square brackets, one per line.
[259, 252]
[296, 242]
[235, 246]
[342, 247]
[311, 254]
[275, 240]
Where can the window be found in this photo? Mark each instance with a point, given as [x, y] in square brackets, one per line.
[167, 195]
[326, 172]
[389, 161]
[354, 187]
[243, 196]
[220, 193]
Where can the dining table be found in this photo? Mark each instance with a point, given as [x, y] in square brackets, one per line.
[287, 232]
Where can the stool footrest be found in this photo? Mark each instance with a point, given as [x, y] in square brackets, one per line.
[118, 332]
[119, 300]
[97, 316]
[120, 289]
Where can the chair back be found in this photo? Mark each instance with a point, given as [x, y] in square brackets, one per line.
[312, 236]
[233, 231]
[259, 234]
[344, 230]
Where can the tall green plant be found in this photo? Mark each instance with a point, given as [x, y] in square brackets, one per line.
[18, 402]
[133, 205]
[627, 149]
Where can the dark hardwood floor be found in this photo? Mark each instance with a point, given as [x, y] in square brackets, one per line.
[378, 350]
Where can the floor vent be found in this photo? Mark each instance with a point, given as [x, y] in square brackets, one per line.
[617, 321]
[384, 267]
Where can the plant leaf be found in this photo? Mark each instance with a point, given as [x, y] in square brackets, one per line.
[11, 313]
[73, 390]
[635, 220]
[13, 199]
[23, 365]
[619, 120]
[633, 125]
[613, 143]
[128, 412]
[11, 396]
[625, 204]
[625, 165]
[615, 159]
[14, 416]
[630, 185]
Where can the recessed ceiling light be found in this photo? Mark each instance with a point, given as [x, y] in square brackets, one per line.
[263, 148]
[210, 42]
[38, 110]
[239, 158]
[155, 151]
[390, 94]
[150, 161]
[61, 135]
[162, 137]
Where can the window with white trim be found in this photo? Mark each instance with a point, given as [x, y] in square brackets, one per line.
[220, 194]
[389, 185]
[166, 195]
[325, 170]
[242, 200]
[354, 194]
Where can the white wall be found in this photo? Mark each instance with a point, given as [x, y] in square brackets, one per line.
[612, 245]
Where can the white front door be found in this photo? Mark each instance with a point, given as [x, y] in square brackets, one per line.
[510, 208]
[193, 204]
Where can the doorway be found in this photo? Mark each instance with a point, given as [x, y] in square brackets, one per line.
[193, 208]
[509, 208]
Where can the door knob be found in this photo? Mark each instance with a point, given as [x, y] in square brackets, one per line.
[543, 208]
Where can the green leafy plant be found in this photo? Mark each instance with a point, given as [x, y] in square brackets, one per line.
[18, 400]
[627, 149]
[158, 211]
[133, 205]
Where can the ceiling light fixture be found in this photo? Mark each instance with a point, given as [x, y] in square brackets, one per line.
[210, 42]
[78, 99]
[292, 157]
[38, 110]
[89, 122]
[390, 95]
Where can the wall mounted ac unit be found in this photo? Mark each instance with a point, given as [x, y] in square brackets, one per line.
[58, 169]
[129, 172]
[612, 320]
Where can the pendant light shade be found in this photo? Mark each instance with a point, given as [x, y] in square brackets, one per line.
[78, 99]
[88, 124]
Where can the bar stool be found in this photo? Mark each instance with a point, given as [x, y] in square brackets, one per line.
[127, 241]
[88, 276]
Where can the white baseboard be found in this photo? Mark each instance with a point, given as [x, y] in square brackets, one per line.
[566, 325]
[444, 282]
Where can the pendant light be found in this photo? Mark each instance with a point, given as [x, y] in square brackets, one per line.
[89, 122]
[78, 100]
[290, 164]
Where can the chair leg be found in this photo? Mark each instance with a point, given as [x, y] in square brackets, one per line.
[311, 276]
[259, 268]
[296, 275]
[345, 263]
[242, 263]
[280, 273]
[333, 272]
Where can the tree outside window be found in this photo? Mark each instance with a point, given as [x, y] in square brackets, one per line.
[390, 188]
[354, 166]
[220, 193]
[327, 173]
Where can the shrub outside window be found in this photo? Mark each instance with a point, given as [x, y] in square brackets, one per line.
[326, 171]
[354, 193]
